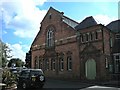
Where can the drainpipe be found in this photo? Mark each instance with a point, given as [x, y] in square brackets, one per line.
[103, 41]
[78, 41]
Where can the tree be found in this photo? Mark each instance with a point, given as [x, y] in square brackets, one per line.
[4, 54]
[15, 61]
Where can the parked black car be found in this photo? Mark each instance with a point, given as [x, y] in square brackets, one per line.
[31, 78]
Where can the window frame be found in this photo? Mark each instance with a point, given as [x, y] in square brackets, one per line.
[36, 63]
[91, 36]
[50, 37]
[47, 64]
[53, 64]
[40, 63]
[96, 35]
[69, 60]
[82, 38]
[116, 63]
[106, 62]
[61, 62]
[87, 37]
[111, 42]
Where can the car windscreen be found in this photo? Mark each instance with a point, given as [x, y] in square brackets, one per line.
[13, 69]
[25, 73]
[34, 73]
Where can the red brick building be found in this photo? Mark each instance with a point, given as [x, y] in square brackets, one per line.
[114, 26]
[64, 48]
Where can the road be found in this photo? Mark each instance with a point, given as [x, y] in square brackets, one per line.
[53, 84]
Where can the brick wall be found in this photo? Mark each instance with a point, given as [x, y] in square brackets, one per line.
[66, 40]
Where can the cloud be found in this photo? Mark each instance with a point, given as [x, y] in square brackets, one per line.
[4, 32]
[101, 19]
[39, 2]
[17, 50]
[22, 16]
[104, 19]
[83, 0]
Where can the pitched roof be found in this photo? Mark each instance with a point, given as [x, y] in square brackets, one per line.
[51, 8]
[69, 22]
[66, 19]
[114, 26]
[87, 22]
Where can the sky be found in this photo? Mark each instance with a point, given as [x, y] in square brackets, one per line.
[20, 19]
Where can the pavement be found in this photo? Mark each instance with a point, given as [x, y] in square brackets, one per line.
[3, 87]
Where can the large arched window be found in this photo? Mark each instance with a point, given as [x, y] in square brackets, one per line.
[50, 37]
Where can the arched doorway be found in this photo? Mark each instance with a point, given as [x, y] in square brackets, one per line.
[90, 69]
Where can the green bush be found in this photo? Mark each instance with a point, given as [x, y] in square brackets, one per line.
[8, 77]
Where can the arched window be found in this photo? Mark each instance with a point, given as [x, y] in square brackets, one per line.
[53, 64]
[87, 37]
[91, 36]
[61, 62]
[69, 61]
[96, 35]
[40, 63]
[47, 64]
[50, 37]
[82, 38]
[36, 62]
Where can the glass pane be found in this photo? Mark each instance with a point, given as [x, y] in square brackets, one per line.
[117, 57]
[33, 73]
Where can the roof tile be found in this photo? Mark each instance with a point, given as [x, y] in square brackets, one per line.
[87, 22]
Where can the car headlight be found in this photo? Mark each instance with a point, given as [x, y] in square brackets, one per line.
[33, 78]
[41, 78]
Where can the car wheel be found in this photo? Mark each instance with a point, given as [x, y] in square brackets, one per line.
[18, 86]
[24, 86]
[41, 86]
